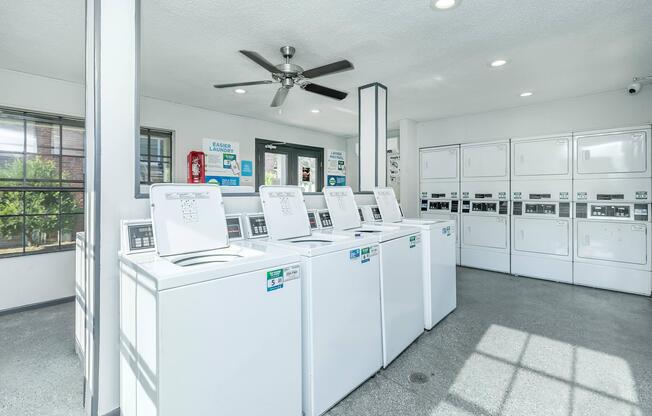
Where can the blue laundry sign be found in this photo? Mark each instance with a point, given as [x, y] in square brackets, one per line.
[247, 168]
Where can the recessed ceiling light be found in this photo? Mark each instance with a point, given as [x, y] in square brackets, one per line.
[315, 111]
[443, 4]
[526, 94]
[240, 91]
[497, 63]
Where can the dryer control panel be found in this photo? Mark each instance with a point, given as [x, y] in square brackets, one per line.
[256, 225]
[622, 212]
[482, 207]
[452, 206]
[552, 209]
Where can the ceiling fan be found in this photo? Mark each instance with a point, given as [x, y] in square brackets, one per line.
[289, 75]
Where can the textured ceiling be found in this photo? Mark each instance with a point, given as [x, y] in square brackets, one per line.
[435, 64]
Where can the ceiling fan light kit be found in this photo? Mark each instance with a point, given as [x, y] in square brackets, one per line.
[288, 75]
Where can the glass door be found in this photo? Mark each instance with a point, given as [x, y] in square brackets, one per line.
[289, 164]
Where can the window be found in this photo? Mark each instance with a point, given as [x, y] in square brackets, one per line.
[155, 157]
[289, 164]
[41, 182]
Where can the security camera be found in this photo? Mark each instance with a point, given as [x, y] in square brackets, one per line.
[634, 88]
[637, 84]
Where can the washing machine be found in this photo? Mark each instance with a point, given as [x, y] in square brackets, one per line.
[342, 341]
[200, 314]
[439, 249]
[401, 271]
[612, 235]
[443, 210]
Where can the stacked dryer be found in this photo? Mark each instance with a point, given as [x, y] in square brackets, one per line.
[440, 186]
[484, 229]
[612, 189]
[542, 243]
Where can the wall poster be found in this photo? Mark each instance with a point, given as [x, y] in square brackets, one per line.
[222, 162]
[335, 167]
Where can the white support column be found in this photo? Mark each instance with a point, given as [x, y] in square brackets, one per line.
[409, 168]
[372, 125]
[112, 134]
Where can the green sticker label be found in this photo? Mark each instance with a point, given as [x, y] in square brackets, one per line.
[275, 279]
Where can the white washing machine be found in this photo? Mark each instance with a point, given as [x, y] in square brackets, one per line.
[341, 345]
[199, 315]
[443, 210]
[612, 235]
[439, 252]
[401, 271]
[541, 224]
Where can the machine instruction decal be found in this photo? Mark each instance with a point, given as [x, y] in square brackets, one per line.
[414, 240]
[502, 195]
[276, 278]
[364, 254]
[563, 195]
[517, 195]
[641, 194]
[354, 254]
[446, 231]
[582, 195]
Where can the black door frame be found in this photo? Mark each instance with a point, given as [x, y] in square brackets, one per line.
[293, 151]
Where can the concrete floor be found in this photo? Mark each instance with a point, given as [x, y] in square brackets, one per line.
[519, 346]
[40, 373]
[514, 346]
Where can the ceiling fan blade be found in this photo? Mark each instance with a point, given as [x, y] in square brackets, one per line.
[331, 68]
[279, 98]
[242, 84]
[257, 58]
[328, 92]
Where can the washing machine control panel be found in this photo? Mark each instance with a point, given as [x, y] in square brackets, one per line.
[234, 227]
[140, 236]
[325, 219]
[256, 225]
[312, 219]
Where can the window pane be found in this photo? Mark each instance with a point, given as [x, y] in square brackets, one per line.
[12, 138]
[43, 138]
[160, 145]
[144, 171]
[11, 235]
[11, 203]
[307, 175]
[41, 202]
[143, 146]
[11, 165]
[276, 170]
[72, 202]
[41, 233]
[72, 168]
[43, 167]
[70, 226]
[73, 141]
[160, 172]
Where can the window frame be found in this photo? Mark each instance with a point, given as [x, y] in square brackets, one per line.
[142, 188]
[61, 187]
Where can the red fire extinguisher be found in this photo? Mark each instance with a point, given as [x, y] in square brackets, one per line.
[196, 167]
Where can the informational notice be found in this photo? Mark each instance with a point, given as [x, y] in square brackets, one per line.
[222, 162]
[335, 167]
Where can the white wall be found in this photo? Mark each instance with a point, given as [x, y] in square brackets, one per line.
[597, 111]
[51, 276]
[192, 125]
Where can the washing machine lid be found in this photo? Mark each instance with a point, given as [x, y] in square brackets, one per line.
[285, 212]
[187, 218]
[342, 207]
[387, 204]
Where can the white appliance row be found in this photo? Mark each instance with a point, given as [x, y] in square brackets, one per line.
[548, 178]
[204, 304]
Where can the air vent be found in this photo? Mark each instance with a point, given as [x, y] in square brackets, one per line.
[564, 210]
[580, 210]
[517, 208]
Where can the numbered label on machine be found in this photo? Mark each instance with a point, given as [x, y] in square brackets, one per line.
[364, 254]
[276, 278]
[415, 240]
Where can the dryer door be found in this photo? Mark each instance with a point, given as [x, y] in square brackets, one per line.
[485, 231]
[542, 158]
[624, 242]
[542, 236]
[488, 161]
[617, 154]
[440, 163]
